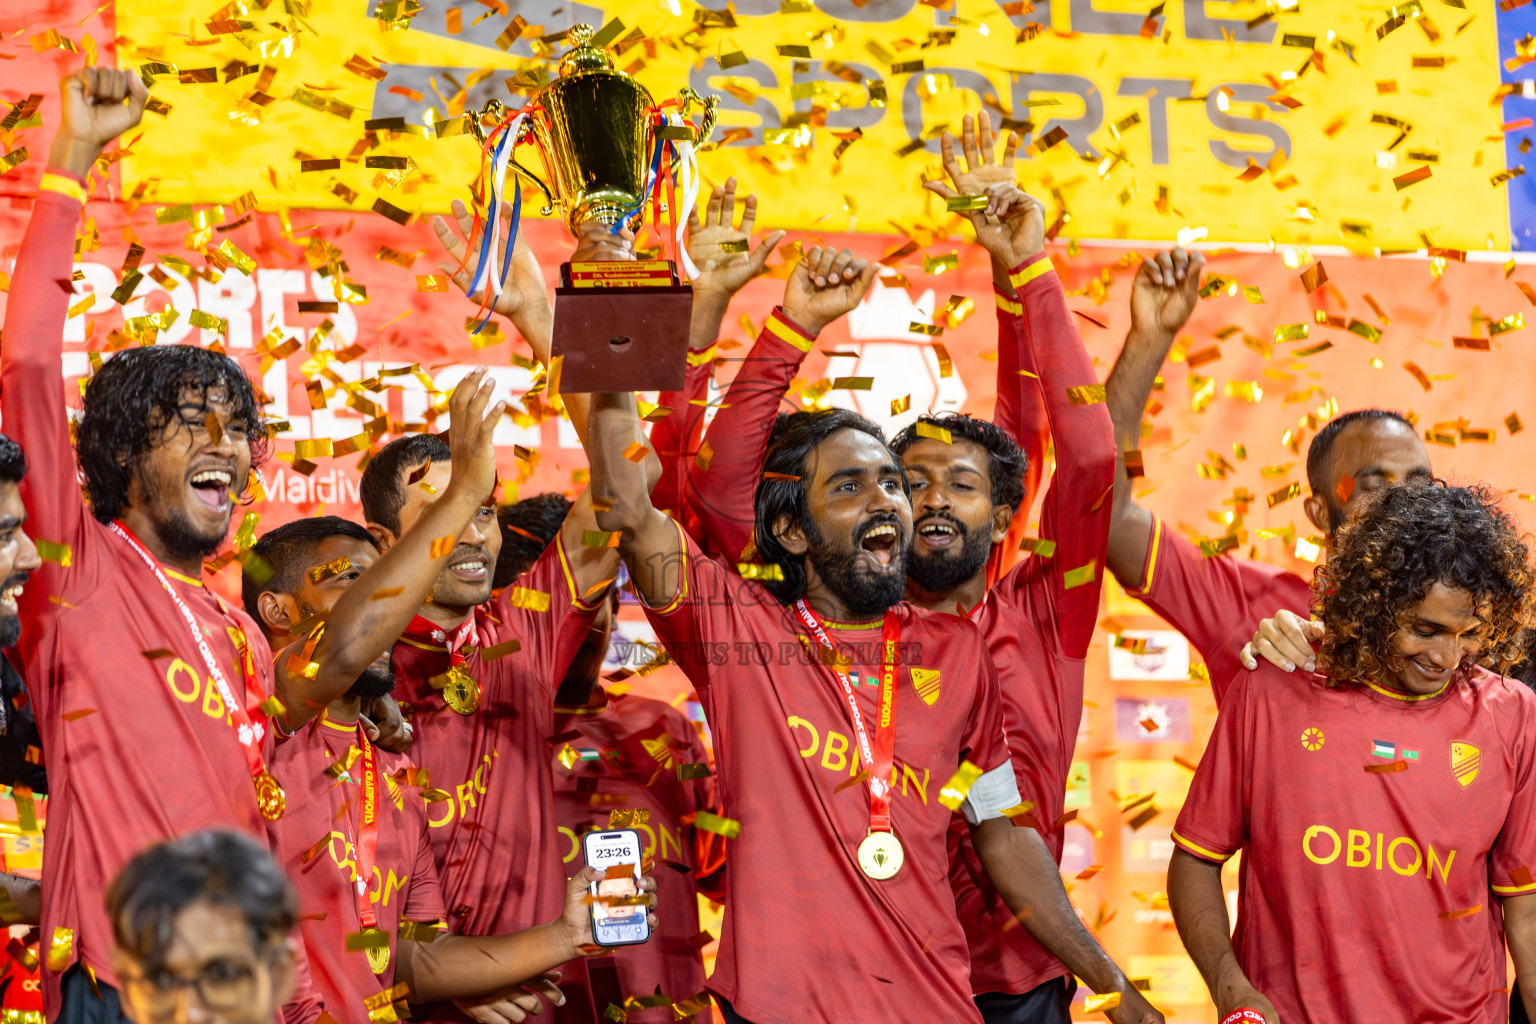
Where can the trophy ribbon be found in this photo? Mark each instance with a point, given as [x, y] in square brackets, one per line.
[484, 279]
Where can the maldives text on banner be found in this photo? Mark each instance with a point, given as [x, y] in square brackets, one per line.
[1330, 123]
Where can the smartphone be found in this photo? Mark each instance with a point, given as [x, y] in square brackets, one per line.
[616, 924]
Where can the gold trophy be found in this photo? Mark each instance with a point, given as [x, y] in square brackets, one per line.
[621, 326]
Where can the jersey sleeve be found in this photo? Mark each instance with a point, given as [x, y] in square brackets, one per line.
[546, 616]
[32, 391]
[704, 795]
[985, 745]
[1077, 508]
[675, 437]
[1019, 409]
[1216, 603]
[722, 482]
[706, 615]
[1213, 824]
[1513, 857]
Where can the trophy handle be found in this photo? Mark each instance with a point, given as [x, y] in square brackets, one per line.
[711, 105]
[549, 201]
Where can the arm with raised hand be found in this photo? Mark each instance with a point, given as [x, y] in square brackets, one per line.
[1162, 299]
[825, 285]
[375, 610]
[99, 104]
[648, 539]
[726, 265]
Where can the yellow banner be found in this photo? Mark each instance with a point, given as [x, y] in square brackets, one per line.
[1337, 123]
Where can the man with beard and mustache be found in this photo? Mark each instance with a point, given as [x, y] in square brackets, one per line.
[378, 830]
[839, 764]
[152, 694]
[18, 559]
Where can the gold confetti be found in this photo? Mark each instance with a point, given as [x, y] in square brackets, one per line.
[1038, 546]
[501, 650]
[933, 432]
[852, 384]
[940, 264]
[1512, 423]
[1212, 548]
[61, 949]
[963, 204]
[1286, 493]
[1079, 576]
[533, 600]
[710, 822]
[1412, 177]
[959, 784]
[323, 572]
[1087, 394]
[636, 452]
[1418, 374]
[419, 931]
[600, 538]
[442, 546]
[759, 571]
[1313, 278]
[901, 405]
[698, 770]
[48, 551]
[1291, 332]
[1102, 1003]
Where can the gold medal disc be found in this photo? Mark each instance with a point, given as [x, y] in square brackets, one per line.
[881, 855]
[462, 693]
[378, 955]
[269, 796]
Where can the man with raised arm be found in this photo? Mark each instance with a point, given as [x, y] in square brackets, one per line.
[1218, 602]
[837, 778]
[122, 640]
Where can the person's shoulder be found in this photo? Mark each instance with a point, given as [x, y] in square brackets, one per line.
[942, 626]
[1270, 684]
[1502, 692]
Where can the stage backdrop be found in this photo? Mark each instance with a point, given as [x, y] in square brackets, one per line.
[1443, 339]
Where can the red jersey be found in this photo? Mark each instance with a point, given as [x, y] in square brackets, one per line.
[675, 437]
[628, 755]
[324, 813]
[491, 814]
[1371, 894]
[140, 745]
[1217, 603]
[723, 481]
[1039, 620]
[808, 937]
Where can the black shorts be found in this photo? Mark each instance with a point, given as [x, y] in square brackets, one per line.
[81, 1004]
[1047, 1003]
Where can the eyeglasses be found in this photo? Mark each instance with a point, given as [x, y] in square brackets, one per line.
[222, 985]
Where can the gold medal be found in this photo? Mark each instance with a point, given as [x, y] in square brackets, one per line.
[881, 855]
[461, 692]
[376, 946]
[269, 795]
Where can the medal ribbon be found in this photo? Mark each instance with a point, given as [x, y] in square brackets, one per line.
[879, 756]
[367, 829]
[424, 632]
[250, 726]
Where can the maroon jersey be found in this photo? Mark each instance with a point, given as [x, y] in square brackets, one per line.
[1217, 603]
[1039, 619]
[319, 851]
[631, 753]
[807, 936]
[1371, 894]
[491, 805]
[141, 747]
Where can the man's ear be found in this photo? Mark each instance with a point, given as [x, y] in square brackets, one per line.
[383, 536]
[1002, 518]
[278, 612]
[1316, 507]
[790, 535]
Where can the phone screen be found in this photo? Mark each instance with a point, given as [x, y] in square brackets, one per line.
[618, 923]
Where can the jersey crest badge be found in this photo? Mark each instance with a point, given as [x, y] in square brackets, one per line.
[926, 682]
[1465, 761]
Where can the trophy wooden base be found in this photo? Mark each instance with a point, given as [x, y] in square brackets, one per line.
[621, 329]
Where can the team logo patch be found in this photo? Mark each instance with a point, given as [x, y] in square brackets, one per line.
[1465, 761]
[926, 682]
[1312, 739]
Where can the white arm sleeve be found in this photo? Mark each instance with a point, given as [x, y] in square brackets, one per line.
[994, 792]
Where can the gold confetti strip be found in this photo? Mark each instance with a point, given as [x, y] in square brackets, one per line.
[1087, 394]
[600, 538]
[1286, 493]
[49, 551]
[962, 204]
[1313, 278]
[852, 384]
[1512, 423]
[636, 452]
[1038, 546]
[1418, 374]
[442, 546]
[758, 571]
[1078, 577]
[1101, 1003]
[698, 770]
[959, 784]
[1219, 545]
[901, 405]
[933, 432]
[711, 822]
[424, 932]
[532, 600]
[324, 572]
[61, 949]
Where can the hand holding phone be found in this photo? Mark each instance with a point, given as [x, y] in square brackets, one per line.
[618, 890]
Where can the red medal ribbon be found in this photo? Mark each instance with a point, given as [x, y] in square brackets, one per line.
[250, 724]
[428, 634]
[367, 845]
[878, 756]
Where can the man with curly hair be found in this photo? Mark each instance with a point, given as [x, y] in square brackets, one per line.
[1383, 802]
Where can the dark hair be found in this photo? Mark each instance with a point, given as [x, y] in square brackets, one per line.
[285, 551]
[1399, 544]
[131, 398]
[13, 461]
[227, 869]
[541, 515]
[1321, 448]
[381, 491]
[1006, 461]
[790, 456]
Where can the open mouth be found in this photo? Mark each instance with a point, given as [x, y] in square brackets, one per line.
[9, 595]
[1429, 672]
[938, 533]
[212, 487]
[879, 545]
[471, 568]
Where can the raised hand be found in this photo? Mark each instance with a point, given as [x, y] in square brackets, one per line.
[824, 285]
[599, 243]
[1012, 226]
[470, 433]
[1165, 292]
[523, 297]
[723, 274]
[99, 104]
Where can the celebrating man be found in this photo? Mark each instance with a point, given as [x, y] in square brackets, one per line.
[1368, 894]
